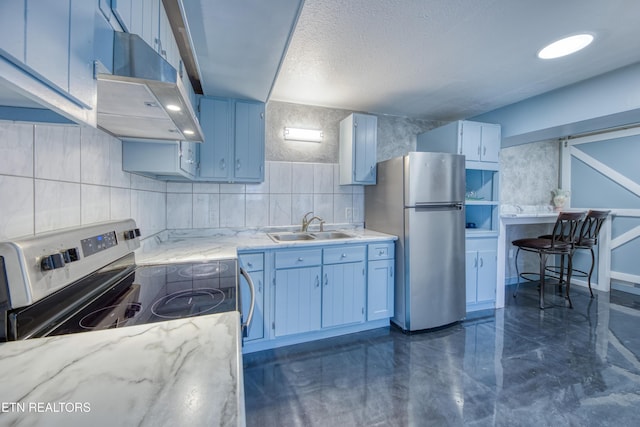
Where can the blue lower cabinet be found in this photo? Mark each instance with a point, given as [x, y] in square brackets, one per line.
[317, 292]
[343, 286]
[298, 298]
[380, 287]
[481, 272]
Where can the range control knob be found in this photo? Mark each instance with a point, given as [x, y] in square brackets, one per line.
[71, 255]
[51, 262]
[131, 234]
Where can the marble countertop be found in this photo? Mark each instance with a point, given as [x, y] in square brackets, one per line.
[527, 211]
[202, 245]
[178, 372]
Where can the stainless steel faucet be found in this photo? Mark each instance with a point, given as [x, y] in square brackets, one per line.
[306, 222]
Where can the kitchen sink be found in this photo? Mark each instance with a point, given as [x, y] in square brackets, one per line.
[291, 236]
[323, 235]
[296, 236]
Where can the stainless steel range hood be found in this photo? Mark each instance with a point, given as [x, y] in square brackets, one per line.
[144, 97]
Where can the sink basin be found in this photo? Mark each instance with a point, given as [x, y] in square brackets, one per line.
[291, 236]
[323, 235]
[297, 236]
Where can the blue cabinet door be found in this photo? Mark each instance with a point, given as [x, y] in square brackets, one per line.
[188, 162]
[123, 10]
[13, 29]
[82, 84]
[298, 297]
[216, 120]
[365, 129]
[249, 141]
[343, 294]
[380, 287]
[487, 275]
[47, 41]
[471, 273]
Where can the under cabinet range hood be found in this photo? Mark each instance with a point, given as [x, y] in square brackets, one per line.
[143, 97]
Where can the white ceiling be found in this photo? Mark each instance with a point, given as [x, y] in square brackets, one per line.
[432, 59]
[450, 59]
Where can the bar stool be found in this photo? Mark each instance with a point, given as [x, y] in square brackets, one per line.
[561, 242]
[587, 239]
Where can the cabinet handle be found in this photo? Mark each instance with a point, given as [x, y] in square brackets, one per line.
[260, 286]
[317, 281]
[484, 151]
[475, 263]
[300, 259]
[380, 252]
[343, 255]
[481, 262]
[223, 164]
[249, 264]
[238, 164]
[326, 279]
[391, 272]
[479, 148]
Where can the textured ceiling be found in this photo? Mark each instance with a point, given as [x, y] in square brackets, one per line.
[447, 59]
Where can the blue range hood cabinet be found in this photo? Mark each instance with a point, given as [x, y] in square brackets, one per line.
[134, 95]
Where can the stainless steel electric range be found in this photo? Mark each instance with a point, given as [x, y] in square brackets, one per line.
[85, 279]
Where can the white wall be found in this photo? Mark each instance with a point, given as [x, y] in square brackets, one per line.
[58, 176]
[602, 102]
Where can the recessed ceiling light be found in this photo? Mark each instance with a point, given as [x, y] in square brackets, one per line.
[187, 132]
[173, 107]
[565, 46]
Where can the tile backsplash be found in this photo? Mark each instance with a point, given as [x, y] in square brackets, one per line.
[290, 190]
[58, 176]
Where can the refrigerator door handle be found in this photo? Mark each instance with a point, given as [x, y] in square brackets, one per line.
[453, 205]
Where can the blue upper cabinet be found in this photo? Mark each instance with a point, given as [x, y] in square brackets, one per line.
[48, 38]
[249, 141]
[358, 149]
[479, 142]
[149, 20]
[233, 150]
[82, 84]
[216, 120]
[12, 29]
[46, 53]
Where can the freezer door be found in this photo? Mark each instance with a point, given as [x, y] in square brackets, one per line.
[433, 178]
[434, 266]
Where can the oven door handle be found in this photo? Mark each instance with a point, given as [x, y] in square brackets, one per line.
[252, 288]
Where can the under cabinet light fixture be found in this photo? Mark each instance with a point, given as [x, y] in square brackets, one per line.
[308, 135]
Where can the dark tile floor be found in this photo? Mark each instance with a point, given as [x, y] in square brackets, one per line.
[518, 366]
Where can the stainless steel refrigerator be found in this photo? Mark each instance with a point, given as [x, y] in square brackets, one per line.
[420, 198]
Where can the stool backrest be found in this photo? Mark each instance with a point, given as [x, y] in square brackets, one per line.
[564, 230]
[591, 228]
